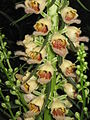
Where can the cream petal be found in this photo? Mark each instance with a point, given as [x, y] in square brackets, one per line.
[29, 97]
[83, 39]
[19, 6]
[20, 53]
[69, 89]
[43, 81]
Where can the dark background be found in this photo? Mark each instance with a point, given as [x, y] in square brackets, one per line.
[13, 33]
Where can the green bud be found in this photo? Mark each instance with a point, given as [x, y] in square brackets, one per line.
[84, 55]
[13, 92]
[86, 92]
[87, 83]
[78, 86]
[9, 53]
[7, 98]
[16, 69]
[83, 59]
[3, 36]
[85, 76]
[78, 58]
[14, 87]
[5, 43]
[85, 109]
[79, 97]
[7, 83]
[81, 75]
[17, 102]
[77, 115]
[11, 70]
[3, 105]
[77, 72]
[78, 66]
[85, 63]
[18, 83]
[18, 113]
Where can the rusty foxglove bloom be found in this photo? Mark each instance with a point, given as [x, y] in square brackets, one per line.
[30, 85]
[28, 97]
[33, 53]
[43, 26]
[68, 68]
[58, 110]
[70, 90]
[35, 106]
[70, 15]
[59, 44]
[45, 73]
[73, 33]
[33, 6]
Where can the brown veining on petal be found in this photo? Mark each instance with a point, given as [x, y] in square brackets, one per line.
[44, 74]
[40, 27]
[35, 55]
[59, 112]
[34, 108]
[70, 15]
[59, 44]
[34, 5]
[70, 70]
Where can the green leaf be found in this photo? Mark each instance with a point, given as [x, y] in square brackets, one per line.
[51, 3]
[47, 115]
[83, 6]
[73, 48]
[22, 18]
[60, 60]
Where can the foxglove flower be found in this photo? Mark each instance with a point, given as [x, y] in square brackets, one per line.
[45, 73]
[42, 27]
[68, 68]
[70, 90]
[59, 44]
[33, 6]
[73, 33]
[35, 106]
[33, 53]
[70, 15]
[30, 85]
[58, 110]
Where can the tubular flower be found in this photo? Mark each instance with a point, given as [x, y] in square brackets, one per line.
[58, 110]
[68, 68]
[59, 44]
[30, 85]
[42, 27]
[33, 53]
[70, 15]
[73, 33]
[35, 106]
[45, 73]
[70, 90]
[33, 6]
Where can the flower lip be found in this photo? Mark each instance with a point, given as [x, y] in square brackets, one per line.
[35, 55]
[59, 44]
[43, 26]
[40, 27]
[34, 5]
[58, 110]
